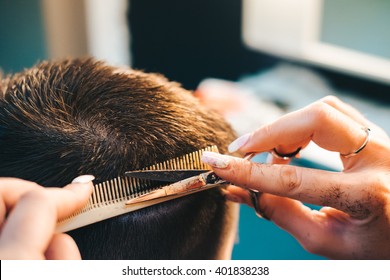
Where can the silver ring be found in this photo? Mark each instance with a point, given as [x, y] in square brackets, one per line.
[278, 155]
[255, 197]
[354, 153]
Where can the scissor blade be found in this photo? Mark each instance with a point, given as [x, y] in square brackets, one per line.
[165, 175]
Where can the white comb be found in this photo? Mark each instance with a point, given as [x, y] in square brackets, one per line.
[109, 198]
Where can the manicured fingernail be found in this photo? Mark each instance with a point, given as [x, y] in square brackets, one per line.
[215, 159]
[238, 143]
[83, 179]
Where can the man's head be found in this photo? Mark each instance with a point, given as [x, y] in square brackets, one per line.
[63, 119]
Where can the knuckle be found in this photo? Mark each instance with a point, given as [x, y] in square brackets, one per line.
[37, 194]
[247, 172]
[253, 173]
[370, 199]
[320, 112]
[290, 177]
[41, 196]
[243, 173]
[331, 100]
[267, 131]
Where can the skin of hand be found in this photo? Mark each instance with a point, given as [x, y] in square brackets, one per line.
[28, 217]
[354, 222]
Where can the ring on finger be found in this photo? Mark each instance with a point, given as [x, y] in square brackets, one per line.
[255, 197]
[358, 150]
[279, 155]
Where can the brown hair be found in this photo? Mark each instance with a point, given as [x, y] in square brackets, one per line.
[62, 119]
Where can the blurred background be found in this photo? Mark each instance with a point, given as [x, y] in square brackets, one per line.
[276, 56]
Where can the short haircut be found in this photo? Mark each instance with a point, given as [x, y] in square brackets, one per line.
[62, 119]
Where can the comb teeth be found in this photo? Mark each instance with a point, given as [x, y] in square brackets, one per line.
[188, 161]
[108, 198]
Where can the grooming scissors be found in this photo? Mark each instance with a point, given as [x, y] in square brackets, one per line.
[186, 182]
[183, 182]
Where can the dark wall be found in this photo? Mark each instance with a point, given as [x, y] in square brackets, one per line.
[360, 87]
[191, 40]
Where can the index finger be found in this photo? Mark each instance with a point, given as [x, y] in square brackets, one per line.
[308, 185]
[326, 126]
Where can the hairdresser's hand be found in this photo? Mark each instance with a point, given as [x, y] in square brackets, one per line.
[28, 217]
[356, 220]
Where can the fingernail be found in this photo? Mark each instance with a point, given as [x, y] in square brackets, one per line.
[215, 159]
[83, 179]
[238, 143]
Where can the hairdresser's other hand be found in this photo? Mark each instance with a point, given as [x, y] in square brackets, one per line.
[355, 220]
[28, 217]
